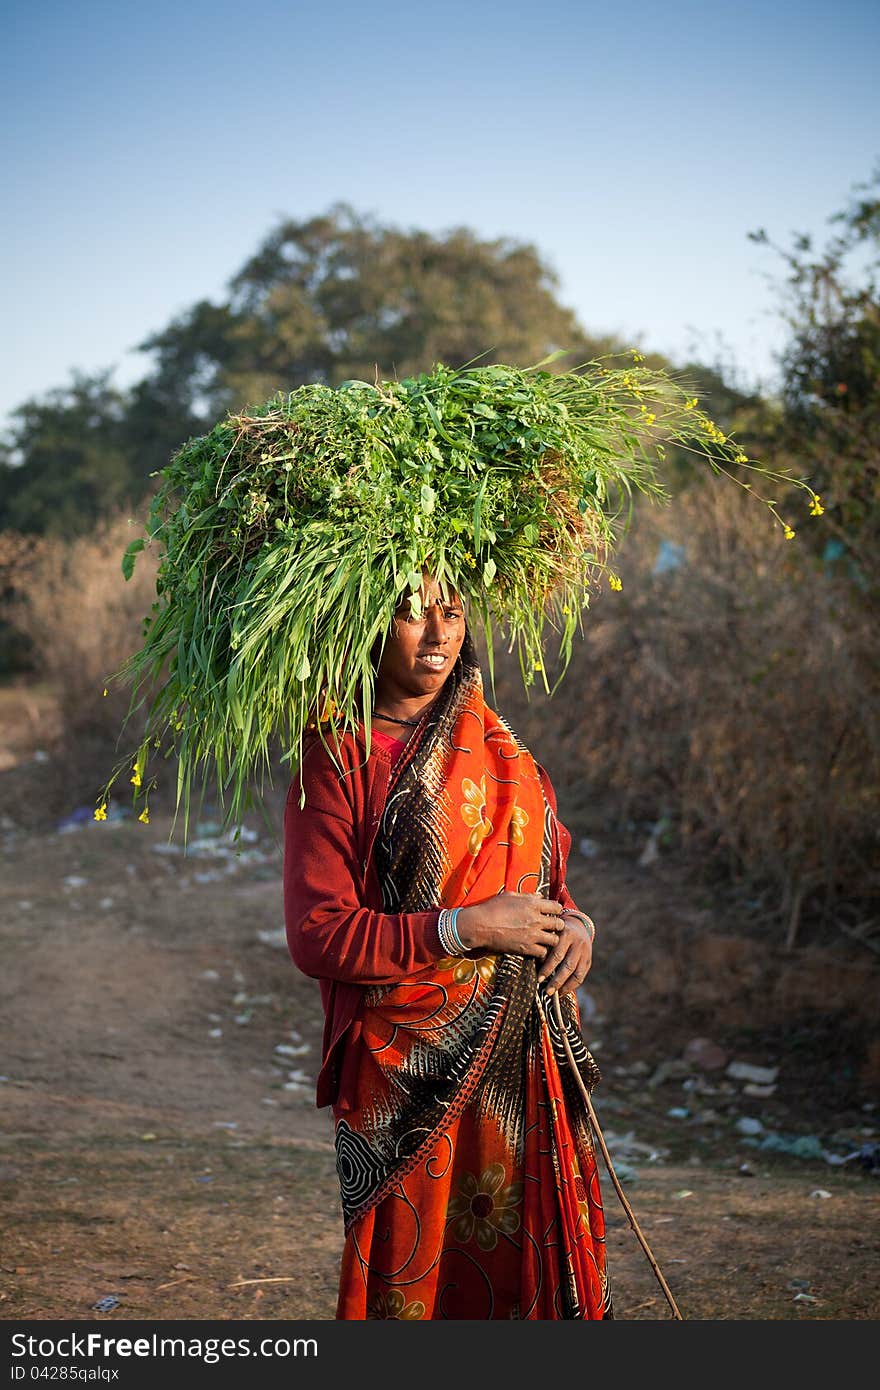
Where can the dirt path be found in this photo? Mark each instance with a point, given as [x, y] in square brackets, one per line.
[161, 1149]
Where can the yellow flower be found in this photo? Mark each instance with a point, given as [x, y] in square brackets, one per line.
[144, 816]
[690, 403]
[105, 690]
[101, 812]
[469, 559]
[637, 356]
[518, 819]
[472, 813]
[136, 779]
[788, 533]
[741, 457]
[615, 582]
[480, 1209]
[816, 508]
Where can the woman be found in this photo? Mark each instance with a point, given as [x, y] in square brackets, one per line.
[466, 1163]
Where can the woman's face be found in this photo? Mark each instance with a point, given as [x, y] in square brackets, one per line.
[420, 652]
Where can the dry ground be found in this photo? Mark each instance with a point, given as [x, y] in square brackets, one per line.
[159, 1150]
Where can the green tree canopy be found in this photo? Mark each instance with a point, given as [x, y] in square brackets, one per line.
[321, 300]
[829, 427]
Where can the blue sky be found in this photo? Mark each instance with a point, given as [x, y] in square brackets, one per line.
[151, 147]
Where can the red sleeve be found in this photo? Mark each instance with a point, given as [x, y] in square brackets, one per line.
[561, 846]
[330, 933]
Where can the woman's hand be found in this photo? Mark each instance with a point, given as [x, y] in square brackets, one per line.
[519, 924]
[566, 966]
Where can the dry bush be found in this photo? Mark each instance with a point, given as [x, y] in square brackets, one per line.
[733, 699]
[82, 619]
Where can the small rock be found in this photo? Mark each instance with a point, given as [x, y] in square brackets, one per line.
[762, 1092]
[107, 1303]
[684, 1192]
[276, 937]
[705, 1054]
[678, 1112]
[673, 1070]
[820, 1192]
[75, 881]
[215, 1032]
[746, 1170]
[744, 1071]
[748, 1124]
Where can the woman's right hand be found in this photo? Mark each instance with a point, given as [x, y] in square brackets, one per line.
[520, 924]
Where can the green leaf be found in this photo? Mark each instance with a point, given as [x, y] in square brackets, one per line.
[128, 558]
[489, 571]
[428, 498]
[304, 669]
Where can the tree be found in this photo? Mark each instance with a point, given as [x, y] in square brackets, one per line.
[64, 462]
[340, 296]
[830, 421]
[333, 297]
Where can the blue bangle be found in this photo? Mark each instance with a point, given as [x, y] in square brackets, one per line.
[453, 929]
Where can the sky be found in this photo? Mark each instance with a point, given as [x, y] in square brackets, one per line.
[150, 148]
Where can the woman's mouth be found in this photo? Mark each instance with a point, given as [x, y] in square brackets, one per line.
[435, 661]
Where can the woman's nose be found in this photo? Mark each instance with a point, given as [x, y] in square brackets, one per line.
[435, 628]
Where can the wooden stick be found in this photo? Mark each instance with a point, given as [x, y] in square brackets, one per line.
[609, 1165]
[278, 1279]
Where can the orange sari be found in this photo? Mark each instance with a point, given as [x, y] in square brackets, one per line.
[466, 1161]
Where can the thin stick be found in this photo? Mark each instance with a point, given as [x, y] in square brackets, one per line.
[278, 1279]
[609, 1165]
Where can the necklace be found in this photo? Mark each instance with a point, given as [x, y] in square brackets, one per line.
[391, 719]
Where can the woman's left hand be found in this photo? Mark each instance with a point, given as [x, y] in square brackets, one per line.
[567, 964]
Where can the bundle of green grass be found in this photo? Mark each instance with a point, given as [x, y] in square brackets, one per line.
[292, 532]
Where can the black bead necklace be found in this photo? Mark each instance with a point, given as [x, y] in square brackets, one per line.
[392, 720]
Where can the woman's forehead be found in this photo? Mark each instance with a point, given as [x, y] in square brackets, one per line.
[433, 591]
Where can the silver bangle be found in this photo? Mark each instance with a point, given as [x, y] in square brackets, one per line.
[448, 932]
[587, 921]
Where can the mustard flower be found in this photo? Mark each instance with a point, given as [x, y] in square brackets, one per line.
[690, 403]
[136, 778]
[788, 533]
[144, 816]
[816, 508]
[615, 582]
[101, 812]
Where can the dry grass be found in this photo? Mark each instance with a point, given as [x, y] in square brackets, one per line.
[733, 700]
[729, 701]
[68, 598]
